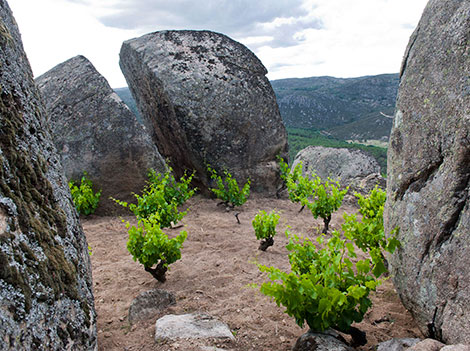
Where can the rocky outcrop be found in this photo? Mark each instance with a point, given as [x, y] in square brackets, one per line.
[209, 102]
[96, 132]
[46, 299]
[348, 166]
[429, 174]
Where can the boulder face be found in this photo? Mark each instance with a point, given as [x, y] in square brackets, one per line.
[46, 299]
[94, 131]
[208, 101]
[429, 173]
[348, 166]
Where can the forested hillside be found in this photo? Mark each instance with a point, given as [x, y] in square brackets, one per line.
[345, 108]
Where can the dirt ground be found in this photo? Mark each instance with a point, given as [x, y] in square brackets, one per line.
[213, 275]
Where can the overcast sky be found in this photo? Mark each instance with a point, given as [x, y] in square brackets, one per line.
[293, 38]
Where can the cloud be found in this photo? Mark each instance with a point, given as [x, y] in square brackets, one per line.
[282, 20]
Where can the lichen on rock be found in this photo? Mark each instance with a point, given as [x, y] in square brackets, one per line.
[46, 299]
[429, 173]
[207, 100]
[94, 131]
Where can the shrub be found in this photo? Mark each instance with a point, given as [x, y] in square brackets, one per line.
[299, 187]
[162, 195]
[264, 225]
[284, 169]
[368, 233]
[321, 198]
[228, 190]
[326, 199]
[325, 288]
[149, 245]
[84, 199]
[174, 191]
[153, 202]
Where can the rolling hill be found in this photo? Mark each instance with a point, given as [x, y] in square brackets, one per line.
[345, 108]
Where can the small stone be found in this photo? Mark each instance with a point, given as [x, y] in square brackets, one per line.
[320, 341]
[458, 347]
[427, 345]
[191, 326]
[397, 344]
[149, 303]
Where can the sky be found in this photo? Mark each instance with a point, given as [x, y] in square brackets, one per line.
[293, 38]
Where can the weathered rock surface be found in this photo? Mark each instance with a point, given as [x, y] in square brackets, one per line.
[311, 341]
[429, 174]
[426, 345]
[348, 166]
[46, 299]
[96, 132]
[149, 303]
[397, 344]
[209, 102]
[191, 326]
[458, 347]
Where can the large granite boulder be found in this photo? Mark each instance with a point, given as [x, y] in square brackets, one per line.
[46, 299]
[429, 173]
[348, 166]
[96, 132]
[209, 102]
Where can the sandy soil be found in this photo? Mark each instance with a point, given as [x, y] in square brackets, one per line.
[213, 277]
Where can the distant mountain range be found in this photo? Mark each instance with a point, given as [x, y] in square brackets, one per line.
[345, 108]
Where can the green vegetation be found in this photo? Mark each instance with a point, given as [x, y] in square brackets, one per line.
[321, 198]
[157, 208]
[326, 199]
[300, 138]
[162, 195]
[299, 187]
[84, 199]
[368, 234]
[149, 245]
[173, 190]
[228, 190]
[327, 286]
[264, 225]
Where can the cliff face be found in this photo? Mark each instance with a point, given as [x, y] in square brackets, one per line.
[429, 173]
[209, 102]
[46, 299]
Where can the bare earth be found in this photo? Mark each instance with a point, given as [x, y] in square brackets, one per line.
[212, 276]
